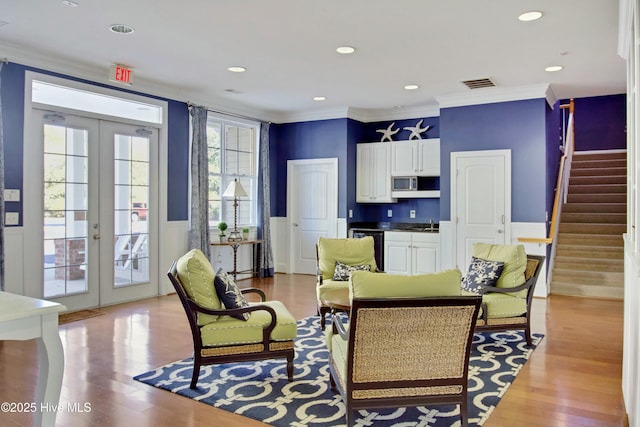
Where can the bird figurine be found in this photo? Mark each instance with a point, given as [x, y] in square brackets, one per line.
[417, 130]
[388, 132]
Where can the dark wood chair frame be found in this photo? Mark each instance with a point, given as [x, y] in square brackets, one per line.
[391, 402]
[323, 310]
[529, 285]
[192, 309]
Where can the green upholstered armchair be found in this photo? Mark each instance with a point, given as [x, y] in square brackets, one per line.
[219, 338]
[406, 343]
[352, 252]
[507, 304]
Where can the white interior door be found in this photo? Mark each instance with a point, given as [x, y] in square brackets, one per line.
[91, 207]
[480, 200]
[312, 208]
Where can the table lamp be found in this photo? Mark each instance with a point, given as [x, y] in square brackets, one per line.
[235, 190]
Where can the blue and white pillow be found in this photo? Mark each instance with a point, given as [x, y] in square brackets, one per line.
[229, 293]
[482, 273]
[342, 272]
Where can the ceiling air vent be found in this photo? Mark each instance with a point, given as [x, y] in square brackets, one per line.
[478, 83]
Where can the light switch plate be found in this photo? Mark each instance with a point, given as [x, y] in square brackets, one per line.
[11, 195]
[389, 213]
[350, 213]
[11, 218]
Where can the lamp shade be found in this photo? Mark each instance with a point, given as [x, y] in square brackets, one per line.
[234, 190]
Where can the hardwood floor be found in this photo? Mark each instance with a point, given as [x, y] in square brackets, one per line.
[572, 379]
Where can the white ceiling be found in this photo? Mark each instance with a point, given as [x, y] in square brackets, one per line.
[181, 50]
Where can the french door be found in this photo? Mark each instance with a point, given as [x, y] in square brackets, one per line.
[97, 222]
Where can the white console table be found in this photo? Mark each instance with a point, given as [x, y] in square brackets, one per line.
[24, 318]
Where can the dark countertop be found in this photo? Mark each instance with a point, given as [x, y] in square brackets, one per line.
[396, 226]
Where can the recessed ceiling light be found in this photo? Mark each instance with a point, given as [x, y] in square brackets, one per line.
[411, 87]
[530, 16]
[345, 50]
[237, 69]
[69, 3]
[121, 28]
[319, 98]
[554, 68]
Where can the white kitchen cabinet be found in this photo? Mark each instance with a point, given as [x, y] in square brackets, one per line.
[373, 173]
[418, 157]
[411, 253]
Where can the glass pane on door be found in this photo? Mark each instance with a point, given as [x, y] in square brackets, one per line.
[66, 203]
[131, 210]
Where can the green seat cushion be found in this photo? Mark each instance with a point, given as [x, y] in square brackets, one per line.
[329, 285]
[353, 251]
[229, 331]
[503, 305]
[196, 275]
[376, 285]
[515, 263]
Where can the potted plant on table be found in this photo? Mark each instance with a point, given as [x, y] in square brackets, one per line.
[222, 226]
[245, 233]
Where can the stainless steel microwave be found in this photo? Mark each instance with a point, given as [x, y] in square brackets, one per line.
[404, 183]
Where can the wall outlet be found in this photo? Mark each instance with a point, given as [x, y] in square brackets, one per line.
[11, 195]
[389, 213]
[11, 218]
[412, 213]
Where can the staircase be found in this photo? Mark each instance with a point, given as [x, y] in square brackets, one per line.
[589, 251]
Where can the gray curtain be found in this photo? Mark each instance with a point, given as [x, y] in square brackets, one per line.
[266, 257]
[199, 218]
[1, 189]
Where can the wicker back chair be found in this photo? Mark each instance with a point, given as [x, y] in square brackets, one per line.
[401, 352]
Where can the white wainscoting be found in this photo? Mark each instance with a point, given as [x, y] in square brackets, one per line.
[447, 254]
[280, 241]
[174, 242]
[631, 337]
[518, 229]
[536, 230]
[13, 260]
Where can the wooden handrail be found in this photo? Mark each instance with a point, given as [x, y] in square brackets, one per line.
[561, 184]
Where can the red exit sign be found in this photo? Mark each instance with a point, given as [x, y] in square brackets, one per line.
[121, 74]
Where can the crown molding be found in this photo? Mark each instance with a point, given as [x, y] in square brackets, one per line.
[497, 94]
[100, 75]
[54, 64]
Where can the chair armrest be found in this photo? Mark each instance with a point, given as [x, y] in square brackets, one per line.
[338, 327]
[258, 291]
[525, 285]
[318, 276]
[229, 311]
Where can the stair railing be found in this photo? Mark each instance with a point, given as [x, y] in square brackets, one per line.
[562, 186]
[562, 191]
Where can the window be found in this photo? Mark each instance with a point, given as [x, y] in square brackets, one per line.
[232, 151]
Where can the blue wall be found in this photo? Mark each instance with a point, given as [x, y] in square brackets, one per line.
[600, 122]
[13, 88]
[307, 140]
[519, 126]
[529, 128]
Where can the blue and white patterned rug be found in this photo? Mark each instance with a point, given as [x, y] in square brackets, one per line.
[260, 390]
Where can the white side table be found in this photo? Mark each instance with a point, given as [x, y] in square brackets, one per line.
[24, 318]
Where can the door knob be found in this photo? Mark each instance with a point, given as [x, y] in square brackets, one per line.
[500, 231]
[96, 236]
